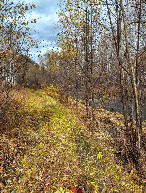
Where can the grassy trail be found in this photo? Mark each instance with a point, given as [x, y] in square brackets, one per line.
[53, 150]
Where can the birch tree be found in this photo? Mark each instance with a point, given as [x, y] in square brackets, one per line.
[14, 40]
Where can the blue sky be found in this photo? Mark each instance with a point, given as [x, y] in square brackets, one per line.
[46, 25]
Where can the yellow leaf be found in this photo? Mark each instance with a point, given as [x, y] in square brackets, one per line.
[33, 5]
[23, 23]
[99, 155]
[26, 7]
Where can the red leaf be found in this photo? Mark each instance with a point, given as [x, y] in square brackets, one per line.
[74, 189]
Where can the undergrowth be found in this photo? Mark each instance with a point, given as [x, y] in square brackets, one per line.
[47, 150]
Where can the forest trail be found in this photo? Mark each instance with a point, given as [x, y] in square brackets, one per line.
[51, 150]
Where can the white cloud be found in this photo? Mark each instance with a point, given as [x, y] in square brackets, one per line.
[46, 19]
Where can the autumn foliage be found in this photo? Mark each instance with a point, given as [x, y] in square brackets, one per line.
[49, 149]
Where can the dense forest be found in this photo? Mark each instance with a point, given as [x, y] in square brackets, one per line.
[60, 127]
